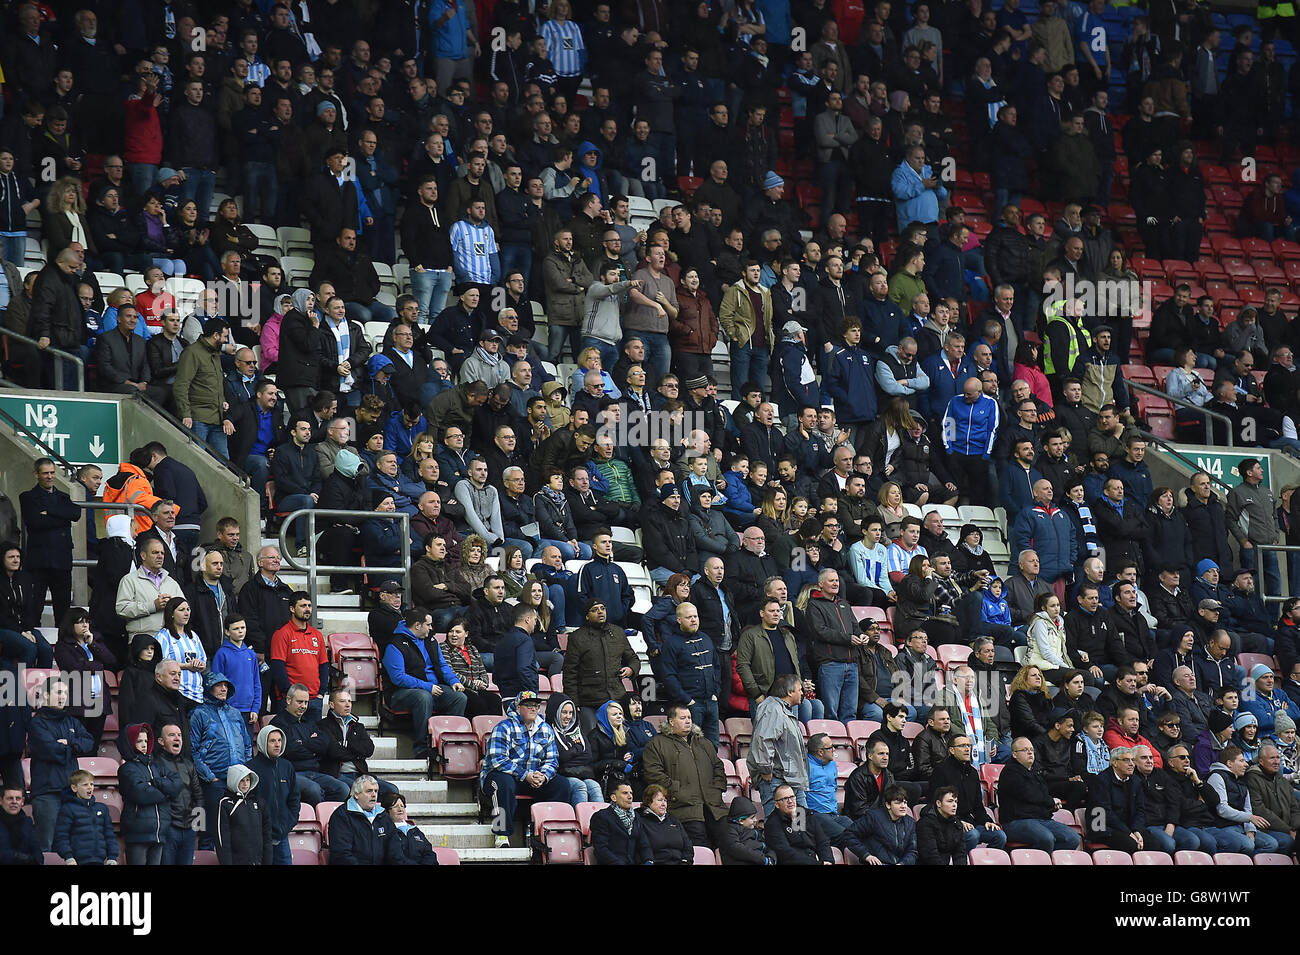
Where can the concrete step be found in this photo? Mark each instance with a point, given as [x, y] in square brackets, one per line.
[399, 768]
[371, 723]
[342, 621]
[491, 856]
[472, 836]
[443, 813]
[422, 790]
[385, 748]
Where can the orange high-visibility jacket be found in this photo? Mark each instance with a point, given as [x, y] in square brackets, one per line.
[130, 485]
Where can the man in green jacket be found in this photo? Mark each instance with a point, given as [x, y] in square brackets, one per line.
[199, 388]
[687, 765]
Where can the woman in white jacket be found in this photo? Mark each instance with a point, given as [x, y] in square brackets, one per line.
[1047, 638]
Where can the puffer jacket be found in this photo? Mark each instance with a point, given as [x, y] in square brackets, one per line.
[830, 626]
[891, 841]
[217, 732]
[940, 841]
[592, 662]
[691, 771]
[668, 540]
[84, 831]
[54, 761]
[148, 785]
[56, 311]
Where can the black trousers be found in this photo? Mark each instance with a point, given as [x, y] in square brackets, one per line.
[58, 583]
[972, 476]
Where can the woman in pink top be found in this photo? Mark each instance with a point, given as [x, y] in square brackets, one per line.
[1026, 367]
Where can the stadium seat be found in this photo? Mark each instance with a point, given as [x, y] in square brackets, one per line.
[1148, 857]
[1273, 858]
[305, 857]
[584, 811]
[740, 731]
[358, 657]
[556, 831]
[1070, 857]
[953, 655]
[446, 855]
[859, 731]
[1030, 857]
[323, 812]
[457, 745]
[838, 733]
[912, 730]
[1247, 661]
[1232, 858]
[483, 726]
[1192, 857]
[201, 857]
[1111, 857]
[983, 855]
[305, 842]
[704, 856]
[104, 770]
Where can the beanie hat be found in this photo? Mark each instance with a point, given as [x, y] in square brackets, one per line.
[773, 181]
[1243, 720]
[1259, 671]
[1218, 721]
[346, 462]
[1205, 565]
[1282, 723]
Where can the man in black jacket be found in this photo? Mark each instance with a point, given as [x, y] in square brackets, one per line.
[1206, 521]
[410, 372]
[55, 317]
[958, 772]
[304, 745]
[329, 200]
[48, 516]
[121, 357]
[211, 600]
[264, 601]
[1116, 813]
[666, 534]
[427, 244]
[489, 616]
[1026, 807]
[160, 704]
[258, 429]
[747, 570]
[347, 744]
[353, 276]
[277, 784]
[1131, 637]
[296, 470]
[797, 837]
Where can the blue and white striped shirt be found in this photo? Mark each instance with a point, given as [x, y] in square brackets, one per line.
[899, 559]
[258, 72]
[870, 566]
[187, 649]
[472, 248]
[565, 47]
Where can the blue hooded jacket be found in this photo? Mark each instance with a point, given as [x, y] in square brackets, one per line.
[245, 675]
[851, 381]
[590, 173]
[217, 732]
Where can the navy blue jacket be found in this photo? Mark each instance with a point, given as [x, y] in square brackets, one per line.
[277, 785]
[406, 848]
[614, 845]
[604, 580]
[893, 843]
[53, 762]
[148, 786]
[688, 665]
[943, 273]
[515, 666]
[19, 844]
[48, 517]
[788, 391]
[176, 482]
[882, 321]
[84, 831]
[15, 720]
[850, 380]
[355, 840]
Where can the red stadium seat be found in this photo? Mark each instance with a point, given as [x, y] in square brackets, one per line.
[1111, 857]
[1030, 857]
[201, 857]
[305, 842]
[953, 655]
[483, 726]
[1192, 857]
[104, 770]
[555, 828]
[1232, 858]
[1248, 661]
[912, 730]
[859, 731]
[583, 811]
[740, 731]
[323, 812]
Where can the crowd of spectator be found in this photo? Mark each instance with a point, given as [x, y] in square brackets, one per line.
[887, 225]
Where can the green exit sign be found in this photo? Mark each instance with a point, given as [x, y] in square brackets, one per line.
[80, 430]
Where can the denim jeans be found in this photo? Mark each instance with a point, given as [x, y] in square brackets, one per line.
[376, 311]
[658, 353]
[704, 714]
[748, 364]
[526, 547]
[583, 790]
[282, 853]
[995, 838]
[423, 705]
[518, 257]
[258, 469]
[315, 788]
[261, 191]
[1234, 839]
[767, 793]
[213, 435]
[837, 687]
[170, 266]
[443, 616]
[199, 185]
[430, 289]
[809, 710]
[178, 847]
[142, 176]
[14, 646]
[144, 853]
[558, 337]
[608, 352]
[872, 711]
[566, 549]
[1158, 840]
[1045, 834]
[294, 502]
[13, 248]
[45, 813]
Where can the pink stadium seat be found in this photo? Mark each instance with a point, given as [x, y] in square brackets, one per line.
[1111, 857]
[305, 857]
[859, 731]
[983, 855]
[838, 733]
[704, 856]
[1070, 857]
[457, 745]
[1030, 857]
[912, 730]
[103, 768]
[305, 841]
[1149, 857]
[740, 731]
[201, 857]
[1231, 858]
[358, 657]
[446, 855]
[323, 812]
[1272, 858]
[953, 655]
[483, 726]
[556, 828]
[1192, 857]
[584, 811]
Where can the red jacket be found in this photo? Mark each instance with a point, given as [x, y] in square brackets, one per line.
[143, 139]
[302, 652]
[1115, 736]
[1261, 209]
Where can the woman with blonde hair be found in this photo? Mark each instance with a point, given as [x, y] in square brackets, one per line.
[589, 360]
[1047, 648]
[1031, 707]
[63, 218]
[780, 543]
[890, 504]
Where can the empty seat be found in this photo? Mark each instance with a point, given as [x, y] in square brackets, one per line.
[555, 827]
[358, 657]
[1111, 857]
[1272, 858]
[446, 855]
[584, 811]
[457, 745]
[1232, 858]
[984, 855]
[704, 856]
[1030, 857]
[1070, 857]
[305, 857]
[1149, 857]
[1192, 857]
[323, 812]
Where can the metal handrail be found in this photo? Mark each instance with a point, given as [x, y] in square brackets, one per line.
[129, 506]
[1184, 403]
[36, 440]
[51, 350]
[1164, 445]
[289, 555]
[176, 422]
[1261, 584]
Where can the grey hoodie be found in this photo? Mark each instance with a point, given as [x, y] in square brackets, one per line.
[238, 771]
[601, 319]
